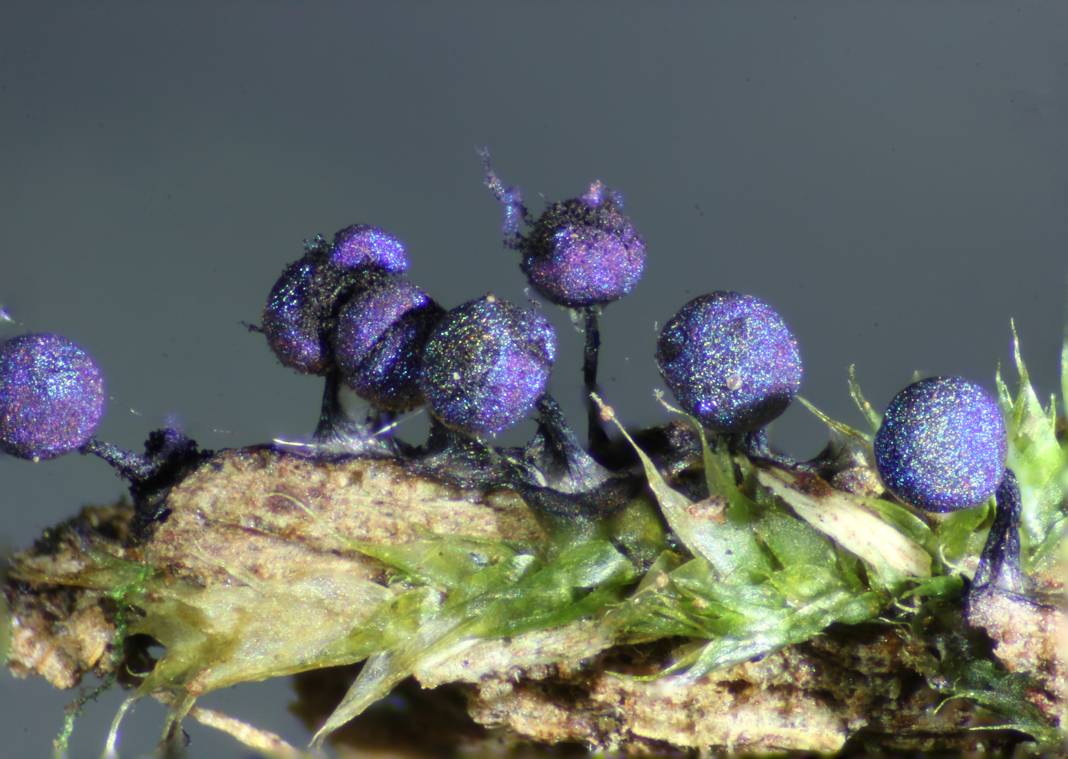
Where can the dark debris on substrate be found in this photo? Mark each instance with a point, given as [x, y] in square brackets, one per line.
[169, 456]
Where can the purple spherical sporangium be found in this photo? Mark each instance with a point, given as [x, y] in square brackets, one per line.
[730, 360]
[378, 341]
[361, 246]
[51, 396]
[942, 444]
[290, 321]
[584, 251]
[486, 364]
[301, 309]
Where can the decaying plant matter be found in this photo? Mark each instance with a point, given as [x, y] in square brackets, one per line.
[729, 604]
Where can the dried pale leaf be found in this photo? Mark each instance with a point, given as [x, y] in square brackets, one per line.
[849, 522]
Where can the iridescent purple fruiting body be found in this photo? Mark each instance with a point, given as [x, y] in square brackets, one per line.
[942, 444]
[730, 360]
[583, 251]
[51, 396]
[486, 364]
[362, 246]
[298, 308]
[302, 307]
[379, 338]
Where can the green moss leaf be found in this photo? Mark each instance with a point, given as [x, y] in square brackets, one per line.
[959, 536]
[1035, 455]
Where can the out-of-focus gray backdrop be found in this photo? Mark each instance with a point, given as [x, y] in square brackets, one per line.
[891, 176]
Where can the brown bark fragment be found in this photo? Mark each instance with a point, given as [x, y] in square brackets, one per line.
[1031, 638]
[239, 515]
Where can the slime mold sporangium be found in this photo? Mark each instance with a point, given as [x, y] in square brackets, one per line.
[581, 253]
[730, 360]
[301, 324]
[571, 592]
[378, 341]
[51, 396]
[486, 364]
[941, 445]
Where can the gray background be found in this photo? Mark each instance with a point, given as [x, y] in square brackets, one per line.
[892, 176]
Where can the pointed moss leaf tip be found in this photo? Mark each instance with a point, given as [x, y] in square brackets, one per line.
[873, 417]
[839, 428]
[1036, 456]
[498, 593]
[700, 526]
[785, 626]
[848, 521]
[1064, 367]
[419, 626]
[719, 468]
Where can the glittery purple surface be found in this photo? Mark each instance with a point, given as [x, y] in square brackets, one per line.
[486, 364]
[942, 444]
[291, 323]
[584, 251]
[587, 266]
[51, 396]
[362, 246]
[379, 338]
[730, 360]
[302, 306]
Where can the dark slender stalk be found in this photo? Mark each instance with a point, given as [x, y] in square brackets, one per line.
[331, 414]
[339, 434]
[581, 470]
[755, 446]
[999, 564]
[562, 483]
[132, 467]
[598, 439]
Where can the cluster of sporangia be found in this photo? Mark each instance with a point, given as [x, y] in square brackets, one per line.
[345, 311]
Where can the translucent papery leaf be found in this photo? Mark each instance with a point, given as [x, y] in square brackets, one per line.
[851, 524]
[901, 519]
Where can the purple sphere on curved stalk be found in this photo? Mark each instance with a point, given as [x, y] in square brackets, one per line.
[584, 251]
[486, 364]
[730, 360]
[379, 338]
[942, 444]
[362, 246]
[51, 396]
